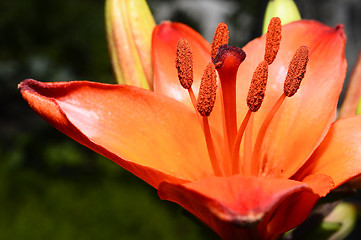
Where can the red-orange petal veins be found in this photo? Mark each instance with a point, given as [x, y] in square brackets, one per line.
[207, 91]
[184, 63]
[273, 40]
[296, 71]
[257, 89]
[220, 37]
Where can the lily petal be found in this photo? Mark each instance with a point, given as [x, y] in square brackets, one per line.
[164, 45]
[138, 129]
[339, 154]
[236, 206]
[303, 120]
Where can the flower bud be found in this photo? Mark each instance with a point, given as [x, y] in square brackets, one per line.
[286, 10]
[358, 108]
[129, 25]
[345, 215]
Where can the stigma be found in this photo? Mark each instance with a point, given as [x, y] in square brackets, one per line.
[225, 60]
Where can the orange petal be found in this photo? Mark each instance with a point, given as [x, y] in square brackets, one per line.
[153, 136]
[234, 206]
[295, 208]
[321, 184]
[164, 45]
[339, 154]
[303, 120]
[292, 211]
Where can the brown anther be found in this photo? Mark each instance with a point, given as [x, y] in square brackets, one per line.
[258, 87]
[296, 71]
[220, 37]
[207, 91]
[184, 63]
[273, 40]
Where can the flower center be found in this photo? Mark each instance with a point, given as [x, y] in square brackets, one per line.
[226, 60]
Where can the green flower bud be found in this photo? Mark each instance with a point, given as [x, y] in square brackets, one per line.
[358, 108]
[129, 25]
[286, 10]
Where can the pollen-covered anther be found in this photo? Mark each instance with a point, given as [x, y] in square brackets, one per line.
[273, 40]
[184, 63]
[257, 89]
[296, 71]
[220, 37]
[207, 91]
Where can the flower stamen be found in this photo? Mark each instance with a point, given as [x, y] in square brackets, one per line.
[184, 65]
[295, 74]
[237, 143]
[261, 134]
[257, 89]
[205, 104]
[207, 91]
[273, 40]
[255, 98]
[220, 37]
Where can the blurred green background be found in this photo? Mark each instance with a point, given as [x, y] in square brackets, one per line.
[52, 187]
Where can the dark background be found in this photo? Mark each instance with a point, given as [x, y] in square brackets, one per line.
[52, 187]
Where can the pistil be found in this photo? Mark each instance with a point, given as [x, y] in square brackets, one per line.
[227, 62]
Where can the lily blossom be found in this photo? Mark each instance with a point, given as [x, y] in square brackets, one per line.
[249, 158]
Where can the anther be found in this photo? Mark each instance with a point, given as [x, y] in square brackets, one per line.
[220, 37]
[257, 89]
[184, 63]
[207, 91]
[273, 40]
[296, 71]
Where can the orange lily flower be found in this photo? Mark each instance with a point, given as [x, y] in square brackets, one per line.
[255, 187]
